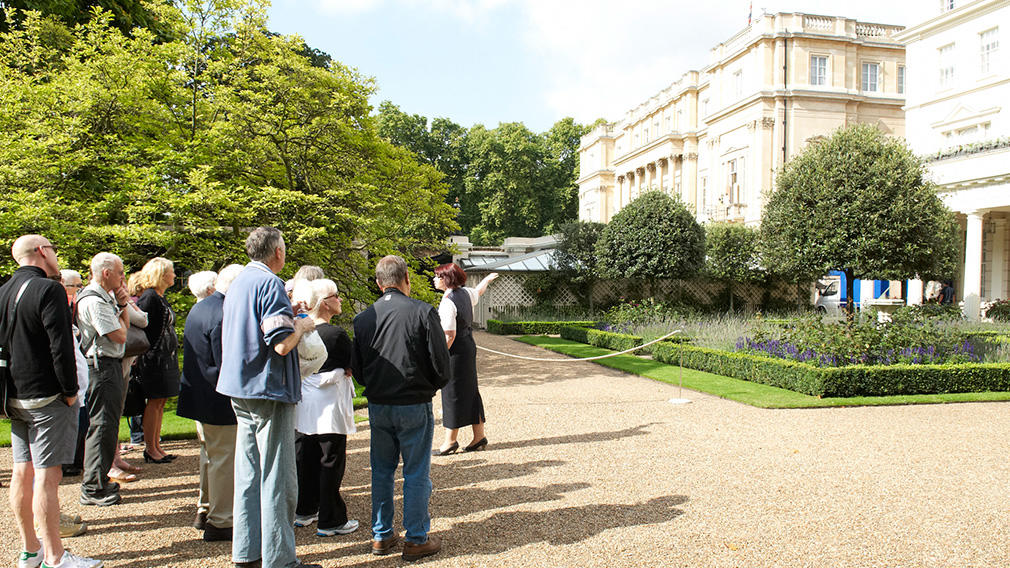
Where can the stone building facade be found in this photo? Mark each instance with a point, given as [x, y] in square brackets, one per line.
[716, 137]
[957, 116]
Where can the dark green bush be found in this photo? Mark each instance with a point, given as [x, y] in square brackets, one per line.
[598, 338]
[855, 380]
[531, 327]
[999, 311]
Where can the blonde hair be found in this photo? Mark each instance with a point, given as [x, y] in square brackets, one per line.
[153, 273]
[133, 284]
[312, 292]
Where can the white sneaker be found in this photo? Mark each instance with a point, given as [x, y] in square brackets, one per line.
[71, 560]
[30, 559]
[306, 520]
[347, 528]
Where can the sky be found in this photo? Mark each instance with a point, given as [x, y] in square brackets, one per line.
[538, 61]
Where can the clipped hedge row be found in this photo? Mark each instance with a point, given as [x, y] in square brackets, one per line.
[499, 327]
[597, 338]
[855, 380]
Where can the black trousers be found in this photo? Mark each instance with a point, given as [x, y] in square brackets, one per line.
[321, 460]
[105, 407]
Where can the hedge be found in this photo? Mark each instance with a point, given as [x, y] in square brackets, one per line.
[531, 327]
[598, 338]
[854, 380]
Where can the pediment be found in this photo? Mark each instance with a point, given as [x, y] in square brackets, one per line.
[964, 115]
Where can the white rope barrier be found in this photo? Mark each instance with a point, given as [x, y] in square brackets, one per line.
[570, 359]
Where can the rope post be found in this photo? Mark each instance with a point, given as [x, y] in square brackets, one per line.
[680, 400]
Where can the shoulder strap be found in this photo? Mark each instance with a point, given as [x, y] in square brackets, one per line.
[84, 294]
[11, 317]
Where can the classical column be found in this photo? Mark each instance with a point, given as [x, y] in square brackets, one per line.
[626, 196]
[971, 292]
[619, 198]
[998, 263]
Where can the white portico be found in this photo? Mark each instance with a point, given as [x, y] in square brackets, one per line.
[957, 117]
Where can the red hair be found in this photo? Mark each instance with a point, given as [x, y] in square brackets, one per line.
[452, 275]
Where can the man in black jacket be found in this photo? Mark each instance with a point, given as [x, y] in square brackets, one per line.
[43, 398]
[401, 358]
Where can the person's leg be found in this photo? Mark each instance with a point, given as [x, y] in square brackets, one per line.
[478, 432]
[47, 509]
[22, 484]
[152, 429]
[220, 474]
[332, 509]
[415, 428]
[246, 540]
[105, 396]
[202, 495]
[159, 417]
[450, 438]
[307, 455]
[384, 455]
[136, 429]
[276, 440]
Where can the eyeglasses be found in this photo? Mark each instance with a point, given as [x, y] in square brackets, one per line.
[332, 296]
[55, 250]
[73, 285]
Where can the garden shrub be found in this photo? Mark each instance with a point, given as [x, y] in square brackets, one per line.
[599, 338]
[499, 327]
[999, 311]
[848, 381]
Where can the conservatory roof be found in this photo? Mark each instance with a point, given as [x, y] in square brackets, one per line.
[536, 261]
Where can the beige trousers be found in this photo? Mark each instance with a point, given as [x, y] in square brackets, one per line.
[217, 473]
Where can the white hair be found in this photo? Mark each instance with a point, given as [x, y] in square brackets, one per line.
[103, 261]
[201, 283]
[227, 274]
[312, 292]
[66, 274]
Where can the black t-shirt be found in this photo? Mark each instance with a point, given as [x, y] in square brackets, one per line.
[338, 347]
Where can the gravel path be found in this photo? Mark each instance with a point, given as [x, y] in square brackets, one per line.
[592, 467]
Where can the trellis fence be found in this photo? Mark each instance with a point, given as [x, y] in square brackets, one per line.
[509, 295]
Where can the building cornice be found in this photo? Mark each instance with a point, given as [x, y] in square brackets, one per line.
[674, 139]
[597, 173]
[948, 20]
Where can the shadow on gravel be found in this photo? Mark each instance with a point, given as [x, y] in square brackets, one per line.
[588, 437]
[464, 501]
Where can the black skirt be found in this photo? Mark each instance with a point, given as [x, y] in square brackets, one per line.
[461, 402]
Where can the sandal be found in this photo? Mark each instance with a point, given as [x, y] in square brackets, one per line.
[122, 476]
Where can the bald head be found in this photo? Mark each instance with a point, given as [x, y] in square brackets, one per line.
[36, 250]
[28, 245]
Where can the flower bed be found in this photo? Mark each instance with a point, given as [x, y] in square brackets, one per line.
[498, 327]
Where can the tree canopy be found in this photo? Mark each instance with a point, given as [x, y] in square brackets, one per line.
[510, 181]
[653, 237]
[732, 256]
[145, 147]
[859, 202]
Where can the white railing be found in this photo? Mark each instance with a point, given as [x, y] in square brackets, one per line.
[818, 23]
[873, 30]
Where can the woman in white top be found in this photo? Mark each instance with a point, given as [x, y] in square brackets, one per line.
[461, 401]
[325, 415]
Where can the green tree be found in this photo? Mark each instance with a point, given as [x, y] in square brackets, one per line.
[126, 14]
[146, 147]
[732, 255]
[653, 237]
[858, 202]
[576, 256]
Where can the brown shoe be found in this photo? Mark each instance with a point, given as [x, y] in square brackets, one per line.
[384, 547]
[413, 551]
[214, 534]
[200, 522]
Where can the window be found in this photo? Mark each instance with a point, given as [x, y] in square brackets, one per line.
[669, 121]
[734, 180]
[901, 79]
[871, 77]
[704, 107]
[990, 44]
[818, 70]
[738, 83]
[946, 65]
[946, 5]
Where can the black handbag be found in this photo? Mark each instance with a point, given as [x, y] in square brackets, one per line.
[136, 342]
[135, 401]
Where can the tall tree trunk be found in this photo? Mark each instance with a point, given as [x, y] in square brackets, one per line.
[850, 286]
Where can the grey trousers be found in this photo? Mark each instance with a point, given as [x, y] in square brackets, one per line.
[106, 390]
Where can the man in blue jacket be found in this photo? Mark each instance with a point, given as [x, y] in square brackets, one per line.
[400, 356]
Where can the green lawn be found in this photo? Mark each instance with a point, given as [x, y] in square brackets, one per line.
[754, 394]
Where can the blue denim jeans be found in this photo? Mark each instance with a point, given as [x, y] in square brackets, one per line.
[266, 483]
[405, 430]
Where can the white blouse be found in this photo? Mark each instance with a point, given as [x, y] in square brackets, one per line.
[327, 405]
[447, 309]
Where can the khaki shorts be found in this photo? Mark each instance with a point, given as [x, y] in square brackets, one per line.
[45, 436]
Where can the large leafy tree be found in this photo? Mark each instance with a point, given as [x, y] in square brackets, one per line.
[858, 202]
[576, 256]
[147, 147]
[732, 256]
[126, 14]
[653, 237]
